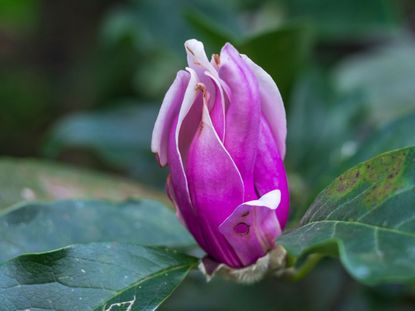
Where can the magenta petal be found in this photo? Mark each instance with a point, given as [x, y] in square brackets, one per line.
[272, 105]
[217, 111]
[173, 198]
[178, 191]
[242, 115]
[215, 186]
[253, 227]
[178, 185]
[168, 112]
[270, 172]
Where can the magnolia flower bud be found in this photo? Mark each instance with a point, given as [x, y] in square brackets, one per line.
[221, 130]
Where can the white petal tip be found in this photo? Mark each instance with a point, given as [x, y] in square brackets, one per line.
[270, 199]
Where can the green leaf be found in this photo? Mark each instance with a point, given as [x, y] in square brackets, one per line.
[158, 24]
[37, 227]
[315, 147]
[385, 77]
[121, 137]
[367, 215]
[327, 287]
[98, 276]
[396, 134]
[27, 180]
[20, 15]
[345, 19]
[212, 36]
[25, 95]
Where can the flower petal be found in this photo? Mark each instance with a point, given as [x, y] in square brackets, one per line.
[178, 185]
[168, 112]
[272, 105]
[208, 76]
[197, 59]
[178, 191]
[215, 186]
[217, 111]
[242, 115]
[270, 172]
[172, 197]
[253, 227]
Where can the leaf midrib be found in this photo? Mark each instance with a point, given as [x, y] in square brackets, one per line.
[356, 223]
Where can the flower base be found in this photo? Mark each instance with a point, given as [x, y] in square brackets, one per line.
[273, 262]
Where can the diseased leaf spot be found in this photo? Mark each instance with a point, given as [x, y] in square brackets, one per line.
[347, 182]
[368, 212]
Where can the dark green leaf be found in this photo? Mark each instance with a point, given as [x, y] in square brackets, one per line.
[213, 37]
[98, 276]
[38, 227]
[317, 293]
[346, 18]
[368, 214]
[159, 24]
[397, 134]
[121, 137]
[314, 147]
[385, 77]
[19, 15]
[27, 180]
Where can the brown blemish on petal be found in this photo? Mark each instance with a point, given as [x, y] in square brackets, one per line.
[190, 50]
[200, 87]
[244, 214]
[216, 59]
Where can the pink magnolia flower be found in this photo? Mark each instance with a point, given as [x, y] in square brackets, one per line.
[221, 130]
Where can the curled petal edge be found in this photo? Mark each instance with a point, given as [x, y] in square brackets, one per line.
[272, 105]
[168, 112]
[253, 227]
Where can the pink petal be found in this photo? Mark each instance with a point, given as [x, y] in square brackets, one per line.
[178, 191]
[197, 59]
[168, 112]
[216, 187]
[243, 113]
[270, 172]
[253, 227]
[272, 105]
[208, 76]
[178, 185]
[217, 111]
[173, 198]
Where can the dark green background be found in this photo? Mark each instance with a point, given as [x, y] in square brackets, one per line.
[81, 82]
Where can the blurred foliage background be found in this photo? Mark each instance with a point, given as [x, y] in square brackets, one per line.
[81, 82]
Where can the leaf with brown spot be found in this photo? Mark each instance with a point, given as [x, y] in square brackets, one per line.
[367, 217]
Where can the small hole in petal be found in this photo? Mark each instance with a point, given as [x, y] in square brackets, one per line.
[241, 228]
